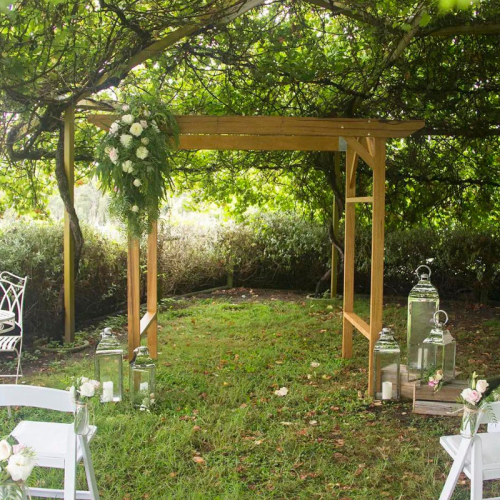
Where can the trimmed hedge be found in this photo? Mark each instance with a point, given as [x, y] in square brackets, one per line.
[274, 251]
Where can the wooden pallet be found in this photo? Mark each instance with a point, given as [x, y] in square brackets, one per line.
[427, 402]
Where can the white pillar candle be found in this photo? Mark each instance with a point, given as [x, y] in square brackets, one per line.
[419, 361]
[386, 390]
[107, 391]
[144, 387]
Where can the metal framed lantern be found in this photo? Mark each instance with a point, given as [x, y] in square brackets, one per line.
[108, 363]
[423, 302]
[386, 367]
[440, 349]
[142, 379]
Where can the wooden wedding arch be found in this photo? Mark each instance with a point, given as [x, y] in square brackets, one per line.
[365, 139]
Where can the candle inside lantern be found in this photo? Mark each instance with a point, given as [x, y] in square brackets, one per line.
[107, 391]
[144, 387]
[386, 390]
[419, 361]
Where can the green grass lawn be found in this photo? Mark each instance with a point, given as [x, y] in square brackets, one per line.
[220, 362]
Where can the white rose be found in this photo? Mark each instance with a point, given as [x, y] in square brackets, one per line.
[114, 128]
[137, 183]
[113, 155]
[136, 129]
[128, 167]
[142, 152]
[144, 123]
[128, 119]
[481, 386]
[126, 139]
[145, 141]
[5, 450]
[135, 208]
[471, 396]
[87, 389]
[19, 467]
[125, 107]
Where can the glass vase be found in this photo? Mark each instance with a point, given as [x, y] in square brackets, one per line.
[12, 491]
[81, 419]
[468, 427]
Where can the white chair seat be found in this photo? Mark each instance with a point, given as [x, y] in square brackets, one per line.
[490, 445]
[8, 343]
[49, 440]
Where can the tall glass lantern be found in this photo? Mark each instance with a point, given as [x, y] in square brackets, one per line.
[423, 302]
[109, 368]
[386, 367]
[142, 379]
[440, 349]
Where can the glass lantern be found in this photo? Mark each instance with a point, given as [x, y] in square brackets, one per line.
[142, 379]
[108, 362]
[440, 349]
[386, 367]
[423, 302]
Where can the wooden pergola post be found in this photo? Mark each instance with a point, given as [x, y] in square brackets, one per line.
[335, 223]
[69, 242]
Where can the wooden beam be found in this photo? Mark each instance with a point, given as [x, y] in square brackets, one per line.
[133, 296]
[349, 233]
[284, 125]
[377, 258]
[336, 230]
[145, 323]
[360, 199]
[69, 243]
[361, 150]
[362, 326]
[152, 290]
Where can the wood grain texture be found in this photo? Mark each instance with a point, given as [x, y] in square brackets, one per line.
[360, 199]
[133, 296]
[361, 150]
[283, 125]
[69, 245]
[361, 325]
[152, 290]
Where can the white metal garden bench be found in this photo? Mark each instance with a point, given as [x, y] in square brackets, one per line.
[12, 290]
[478, 457]
[56, 444]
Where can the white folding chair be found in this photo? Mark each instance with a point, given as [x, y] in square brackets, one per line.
[12, 290]
[56, 444]
[478, 457]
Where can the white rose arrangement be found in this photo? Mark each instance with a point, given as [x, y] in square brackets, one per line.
[84, 389]
[133, 162]
[16, 463]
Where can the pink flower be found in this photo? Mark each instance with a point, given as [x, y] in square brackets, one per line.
[481, 386]
[433, 383]
[113, 155]
[471, 396]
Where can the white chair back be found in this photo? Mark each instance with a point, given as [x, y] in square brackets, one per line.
[36, 397]
[491, 416]
[12, 290]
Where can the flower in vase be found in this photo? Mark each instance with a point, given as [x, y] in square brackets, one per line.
[20, 466]
[5, 450]
[136, 129]
[87, 389]
[471, 396]
[481, 386]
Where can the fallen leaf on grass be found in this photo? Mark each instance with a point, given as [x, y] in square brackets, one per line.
[314, 364]
[281, 392]
[199, 460]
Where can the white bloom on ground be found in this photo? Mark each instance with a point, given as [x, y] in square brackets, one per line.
[137, 183]
[142, 152]
[125, 107]
[471, 396]
[113, 155]
[20, 466]
[128, 119]
[5, 450]
[144, 123]
[72, 393]
[128, 167]
[126, 140]
[281, 392]
[136, 129]
[481, 386]
[87, 389]
[135, 208]
[115, 126]
[314, 364]
[145, 141]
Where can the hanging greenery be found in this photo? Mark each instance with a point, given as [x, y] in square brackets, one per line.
[134, 162]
